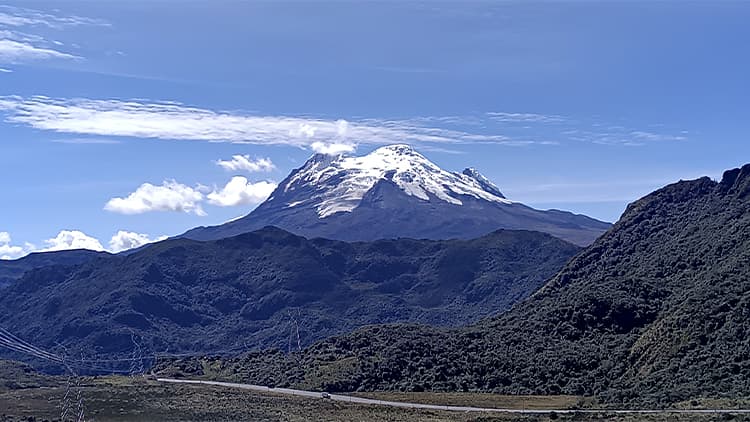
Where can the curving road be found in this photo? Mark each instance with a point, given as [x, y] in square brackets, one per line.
[361, 400]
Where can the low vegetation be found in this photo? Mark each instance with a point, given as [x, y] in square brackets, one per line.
[653, 314]
[273, 289]
[114, 399]
[12, 270]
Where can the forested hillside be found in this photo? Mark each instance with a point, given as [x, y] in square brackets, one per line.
[656, 311]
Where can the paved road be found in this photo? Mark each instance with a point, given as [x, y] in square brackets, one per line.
[360, 400]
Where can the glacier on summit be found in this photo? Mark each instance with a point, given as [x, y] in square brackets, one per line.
[396, 192]
[342, 181]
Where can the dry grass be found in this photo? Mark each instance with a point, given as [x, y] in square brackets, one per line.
[485, 400]
[118, 399]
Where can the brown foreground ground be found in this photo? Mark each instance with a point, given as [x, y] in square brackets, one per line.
[125, 399]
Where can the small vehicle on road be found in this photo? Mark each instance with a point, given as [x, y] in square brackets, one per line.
[325, 395]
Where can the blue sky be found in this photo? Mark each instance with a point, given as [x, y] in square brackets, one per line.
[124, 116]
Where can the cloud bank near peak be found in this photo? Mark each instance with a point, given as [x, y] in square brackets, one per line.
[240, 191]
[245, 163]
[332, 148]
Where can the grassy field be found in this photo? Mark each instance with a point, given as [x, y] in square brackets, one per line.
[114, 399]
[28, 396]
[485, 400]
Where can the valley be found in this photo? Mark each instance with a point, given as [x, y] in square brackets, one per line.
[272, 289]
[592, 336]
[374, 211]
[116, 399]
[620, 322]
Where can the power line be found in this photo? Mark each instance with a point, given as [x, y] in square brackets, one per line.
[11, 339]
[22, 348]
[136, 364]
[99, 365]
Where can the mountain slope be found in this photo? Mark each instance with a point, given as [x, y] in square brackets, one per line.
[12, 270]
[396, 192]
[247, 291]
[656, 311]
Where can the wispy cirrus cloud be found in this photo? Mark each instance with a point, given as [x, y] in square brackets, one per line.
[506, 117]
[19, 16]
[17, 46]
[658, 137]
[167, 120]
[170, 120]
[16, 52]
[618, 135]
[87, 141]
[437, 149]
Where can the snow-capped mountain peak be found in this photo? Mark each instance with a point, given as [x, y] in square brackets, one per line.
[335, 184]
[484, 182]
[394, 192]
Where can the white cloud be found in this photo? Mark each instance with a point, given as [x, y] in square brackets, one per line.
[11, 252]
[169, 120]
[342, 128]
[332, 148]
[244, 162]
[75, 239]
[170, 196]
[524, 117]
[71, 239]
[240, 191]
[429, 148]
[7, 19]
[124, 240]
[19, 47]
[176, 121]
[4, 70]
[87, 141]
[176, 197]
[18, 17]
[15, 52]
[21, 36]
[618, 135]
[8, 251]
[657, 137]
